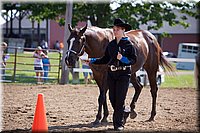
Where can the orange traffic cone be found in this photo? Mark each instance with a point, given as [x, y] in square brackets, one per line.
[40, 120]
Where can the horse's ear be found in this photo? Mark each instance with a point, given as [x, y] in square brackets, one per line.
[69, 27]
[83, 29]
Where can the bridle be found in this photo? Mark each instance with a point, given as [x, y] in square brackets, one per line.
[78, 54]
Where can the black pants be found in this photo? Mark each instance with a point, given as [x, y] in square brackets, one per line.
[118, 82]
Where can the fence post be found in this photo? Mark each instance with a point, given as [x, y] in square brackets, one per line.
[59, 67]
[68, 18]
[15, 64]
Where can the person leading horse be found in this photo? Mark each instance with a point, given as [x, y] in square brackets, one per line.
[94, 41]
[120, 54]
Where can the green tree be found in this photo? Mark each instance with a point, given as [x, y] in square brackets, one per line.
[42, 11]
[98, 13]
[153, 14]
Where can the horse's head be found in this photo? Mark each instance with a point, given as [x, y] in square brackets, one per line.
[76, 44]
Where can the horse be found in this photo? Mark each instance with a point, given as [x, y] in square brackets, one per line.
[93, 40]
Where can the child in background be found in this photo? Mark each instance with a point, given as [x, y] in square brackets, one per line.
[38, 65]
[61, 47]
[46, 66]
[3, 61]
[57, 45]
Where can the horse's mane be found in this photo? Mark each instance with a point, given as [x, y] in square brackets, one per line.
[95, 28]
[100, 32]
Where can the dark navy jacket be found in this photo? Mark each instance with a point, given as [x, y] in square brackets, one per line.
[125, 47]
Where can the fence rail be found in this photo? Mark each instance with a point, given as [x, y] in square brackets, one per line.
[144, 73]
[17, 67]
[180, 60]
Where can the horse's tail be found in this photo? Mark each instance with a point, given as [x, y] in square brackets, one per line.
[161, 58]
[165, 64]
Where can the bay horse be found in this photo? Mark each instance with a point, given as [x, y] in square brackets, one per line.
[93, 41]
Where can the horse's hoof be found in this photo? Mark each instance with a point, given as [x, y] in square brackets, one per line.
[133, 114]
[96, 122]
[126, 115]
[150, 119]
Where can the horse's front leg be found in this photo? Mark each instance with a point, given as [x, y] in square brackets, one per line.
[101, 102]
[102, 96]
[101, 80]
[138, 88]
[105, 108]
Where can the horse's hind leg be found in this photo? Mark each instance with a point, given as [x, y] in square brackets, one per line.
[154, 89]
[138, 87]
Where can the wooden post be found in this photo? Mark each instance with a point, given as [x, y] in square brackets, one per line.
[47, 31]
[38, 33]
[32, 33]
[68, 18]
[15, 65]
[59, 67]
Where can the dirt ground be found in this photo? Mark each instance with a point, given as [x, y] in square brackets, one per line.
[73, 108]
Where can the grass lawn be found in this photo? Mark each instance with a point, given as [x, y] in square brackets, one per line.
[25, 72]
[180, 81]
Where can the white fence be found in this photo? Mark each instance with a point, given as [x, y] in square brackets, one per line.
[180, 60]
[144, 73]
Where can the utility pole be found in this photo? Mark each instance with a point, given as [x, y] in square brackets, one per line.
[68, 20]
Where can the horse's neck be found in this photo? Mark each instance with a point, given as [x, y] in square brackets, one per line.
[93, 47]
[96, 42]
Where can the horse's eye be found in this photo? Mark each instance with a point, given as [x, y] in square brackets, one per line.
[82, 39]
